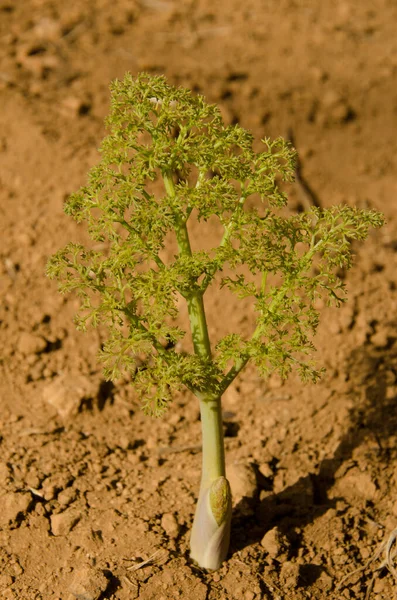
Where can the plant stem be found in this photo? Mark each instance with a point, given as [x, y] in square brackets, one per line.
[210, 406]
[210, 535]
[211, 528]
[213, 460]
[195, 304]
[233, 372]
[225, 238]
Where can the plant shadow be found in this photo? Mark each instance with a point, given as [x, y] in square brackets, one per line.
[308, 499]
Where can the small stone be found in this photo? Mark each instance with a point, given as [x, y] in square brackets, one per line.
[365, 553]
[356, 484]
[380, 339]
[64, 522]
[32, 359]
[49, 492]
[336, 109]
[242, 479]
[66, 496]
[5, 581]
[275, 543]
[16, 569]
[88, 583]
[66, 393]
[266, 470]
[170, 525]
[174, 419]
[29, 343]
[289, 574]
[36, 371]
[325, 581]
[124, 442]
[13, 505]
[379, 586]
[47, 29]
[75, 107]
[249, 596]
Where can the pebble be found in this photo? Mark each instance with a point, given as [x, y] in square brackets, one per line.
[66, 496]
[335, 108]
[15, 568]
[88, 583]
[289, 574]
[380, 339]
[64, 522]
[174, 418]
[73, 106]
[266, 470]
[66, 393]
[30, 343]
[5, 581]
[379, 586]
[47, 29]
[170, 525]
[275, 543]
[49, 492]
[324, 581]
[356, 484]
[13, 505]
[242, 479]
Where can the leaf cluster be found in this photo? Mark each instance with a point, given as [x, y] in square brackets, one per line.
[169, 158]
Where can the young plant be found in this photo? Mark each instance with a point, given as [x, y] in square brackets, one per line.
[169, 159]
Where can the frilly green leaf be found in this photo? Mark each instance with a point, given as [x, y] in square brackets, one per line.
[169, 158]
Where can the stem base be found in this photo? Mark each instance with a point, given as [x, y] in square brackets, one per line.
[209, 541]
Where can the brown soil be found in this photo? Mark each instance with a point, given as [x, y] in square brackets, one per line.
[89, 486]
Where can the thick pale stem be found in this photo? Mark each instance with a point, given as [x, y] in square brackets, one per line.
[209, 541]
[213, 447]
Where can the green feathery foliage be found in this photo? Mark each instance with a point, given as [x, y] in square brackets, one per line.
[159, 133]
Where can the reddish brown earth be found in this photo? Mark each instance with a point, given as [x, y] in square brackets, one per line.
[89, 486]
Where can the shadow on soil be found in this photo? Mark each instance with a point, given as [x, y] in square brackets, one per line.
[306, 500]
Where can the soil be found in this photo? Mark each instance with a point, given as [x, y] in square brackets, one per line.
[96, 499]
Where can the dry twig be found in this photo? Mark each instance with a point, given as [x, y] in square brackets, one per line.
[389, 547]
[157, 558]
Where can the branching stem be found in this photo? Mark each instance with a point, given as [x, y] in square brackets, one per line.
[225, 238]
[210, 405]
